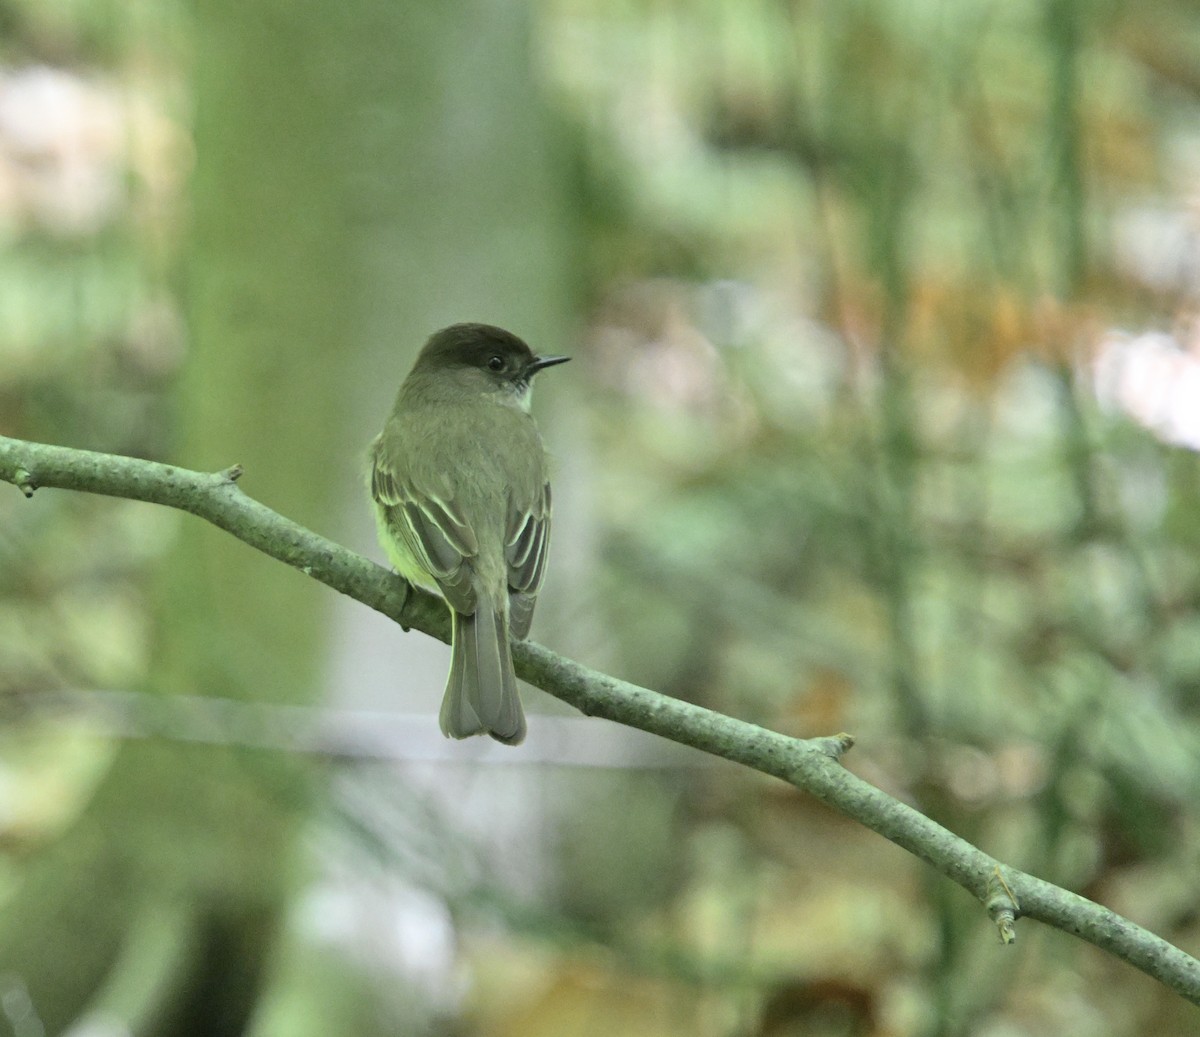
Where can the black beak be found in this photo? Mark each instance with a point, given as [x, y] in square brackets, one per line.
[544, 361]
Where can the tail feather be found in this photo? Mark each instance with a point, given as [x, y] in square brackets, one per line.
[481, 691]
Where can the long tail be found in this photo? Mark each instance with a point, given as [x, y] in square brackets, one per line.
[481, 691]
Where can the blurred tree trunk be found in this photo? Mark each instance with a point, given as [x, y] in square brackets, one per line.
[351, 189]
[157, 908]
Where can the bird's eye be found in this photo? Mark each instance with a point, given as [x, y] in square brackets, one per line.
[496, 363]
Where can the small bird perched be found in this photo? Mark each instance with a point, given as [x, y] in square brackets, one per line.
[462, 501]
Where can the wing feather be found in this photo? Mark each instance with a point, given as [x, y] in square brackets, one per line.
[433, 529]
[526, 548]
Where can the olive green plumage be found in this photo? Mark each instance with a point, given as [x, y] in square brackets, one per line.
[462, 499]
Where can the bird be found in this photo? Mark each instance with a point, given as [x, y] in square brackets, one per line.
[461, 491]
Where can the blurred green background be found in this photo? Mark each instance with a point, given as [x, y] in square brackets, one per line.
[883, 418]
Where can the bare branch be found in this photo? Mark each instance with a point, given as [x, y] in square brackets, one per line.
[812, 765]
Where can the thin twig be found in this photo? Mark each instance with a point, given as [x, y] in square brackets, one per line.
[812, 765]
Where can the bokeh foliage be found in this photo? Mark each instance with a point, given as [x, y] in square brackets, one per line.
[876, 478]
[872, 447]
